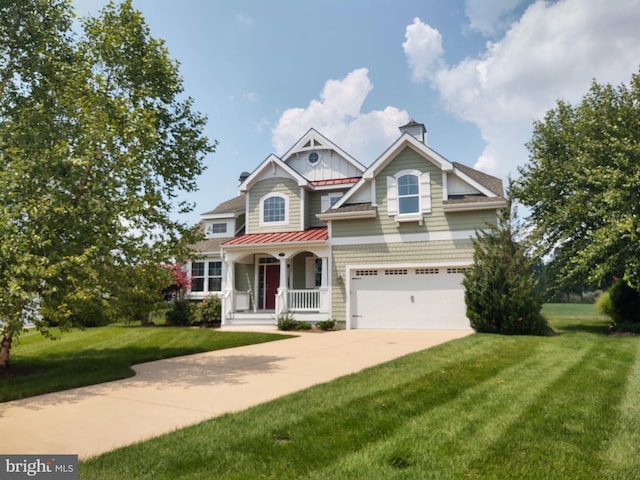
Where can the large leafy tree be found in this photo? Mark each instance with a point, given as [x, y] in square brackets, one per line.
[97, 140]
[582, 184]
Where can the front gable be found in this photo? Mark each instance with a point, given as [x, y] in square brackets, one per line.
[318, 159]
[439, 181]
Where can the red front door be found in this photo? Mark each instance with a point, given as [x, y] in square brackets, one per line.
[269, 283]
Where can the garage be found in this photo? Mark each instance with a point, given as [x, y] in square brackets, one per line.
[408, 298]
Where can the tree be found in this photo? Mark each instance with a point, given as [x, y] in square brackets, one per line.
[97, 141]
[500, 288]
[582, 185]
[142, 292]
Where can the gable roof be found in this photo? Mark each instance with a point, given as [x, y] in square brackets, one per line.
[234, 205]
[314, 140]
[407, 140]
[273, 161]
[492, 183]
[484, 183]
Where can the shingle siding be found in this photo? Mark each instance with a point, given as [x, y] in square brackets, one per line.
[281, 185]
[436, 221]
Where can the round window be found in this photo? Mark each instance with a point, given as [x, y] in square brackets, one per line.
[313, 158]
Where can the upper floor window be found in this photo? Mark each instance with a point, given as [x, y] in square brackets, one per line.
[329, 200]
[274, 209]
[217, 229]
[409, 195]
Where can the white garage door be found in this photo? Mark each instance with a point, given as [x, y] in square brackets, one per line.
[408, 298]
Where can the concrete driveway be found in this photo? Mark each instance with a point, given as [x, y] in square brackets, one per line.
[169, 394]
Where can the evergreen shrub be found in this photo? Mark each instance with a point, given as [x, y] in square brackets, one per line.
[621, 303]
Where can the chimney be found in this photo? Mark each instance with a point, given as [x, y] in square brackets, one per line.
[243, 176]
[416, 129]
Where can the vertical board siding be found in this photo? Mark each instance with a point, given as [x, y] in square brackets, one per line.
[282, 185]
[330, 166]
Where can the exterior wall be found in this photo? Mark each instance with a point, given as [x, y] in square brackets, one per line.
[298, 271]
[313, 207]
[436, 252]
[330, 165]
[282, 185]
[436, 221]
[245, 279]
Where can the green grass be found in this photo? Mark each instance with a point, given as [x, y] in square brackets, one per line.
[85, 357]
[485, 406]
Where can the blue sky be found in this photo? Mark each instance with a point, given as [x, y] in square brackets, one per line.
[477, 73]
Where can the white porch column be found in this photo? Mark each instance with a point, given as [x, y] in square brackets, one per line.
[324, 286]
[324, 281]
[283, 290]
[228, 291]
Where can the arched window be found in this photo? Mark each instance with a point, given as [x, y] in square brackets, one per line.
[274, 209]
[408, 194]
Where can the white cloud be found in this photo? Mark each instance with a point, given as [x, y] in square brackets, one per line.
[490, 17]
[553, 51]
[338, 115]
[423, 48]
[251, 96]
[246, 19]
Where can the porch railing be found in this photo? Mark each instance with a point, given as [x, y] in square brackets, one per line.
[306, 300]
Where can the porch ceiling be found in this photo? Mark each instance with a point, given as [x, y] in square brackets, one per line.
[309, 235]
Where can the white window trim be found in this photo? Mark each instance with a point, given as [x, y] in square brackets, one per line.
[209, 229]
[286, 210]
[206, 277]
[424, 196]
[326, 200]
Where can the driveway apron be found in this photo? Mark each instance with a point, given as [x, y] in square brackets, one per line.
[169, 394]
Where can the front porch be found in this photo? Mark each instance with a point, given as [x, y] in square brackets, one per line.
[308, 305]
[265, 281]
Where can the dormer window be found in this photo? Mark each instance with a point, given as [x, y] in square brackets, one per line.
[217, 228]
[409, 195]
[274, 209]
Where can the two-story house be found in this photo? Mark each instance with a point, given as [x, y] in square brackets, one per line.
[318, 234]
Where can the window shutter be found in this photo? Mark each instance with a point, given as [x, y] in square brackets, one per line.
[392, 196]
[425, 193]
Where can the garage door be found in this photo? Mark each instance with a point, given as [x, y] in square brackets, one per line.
[408, 298]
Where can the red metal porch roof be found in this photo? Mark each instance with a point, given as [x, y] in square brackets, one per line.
[337, 181]
[312, 234]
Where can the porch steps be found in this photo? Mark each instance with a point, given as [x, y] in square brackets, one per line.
[262, 320]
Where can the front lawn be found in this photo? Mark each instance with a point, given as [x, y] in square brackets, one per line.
[485, 406]
[85, 357]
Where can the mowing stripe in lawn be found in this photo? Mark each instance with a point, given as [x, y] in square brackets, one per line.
[486, 406]
[434, 445]
[577, 413]
[363, 412]
[623, 452]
